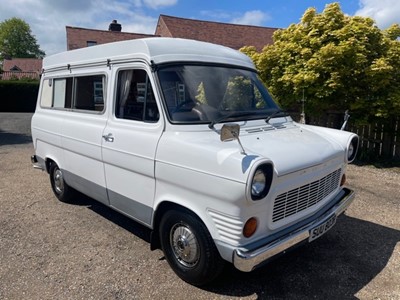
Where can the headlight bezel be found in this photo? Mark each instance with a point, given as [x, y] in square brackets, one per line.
[352, 148]
[267, 171]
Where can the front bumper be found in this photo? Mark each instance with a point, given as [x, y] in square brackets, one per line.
[249, 258]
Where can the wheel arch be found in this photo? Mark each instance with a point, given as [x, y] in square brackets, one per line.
[49, 162]
[161, 209]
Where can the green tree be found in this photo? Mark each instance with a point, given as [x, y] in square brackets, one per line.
[17, 41]
[337, 61]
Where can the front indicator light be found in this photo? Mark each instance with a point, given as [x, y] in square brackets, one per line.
[250, 227]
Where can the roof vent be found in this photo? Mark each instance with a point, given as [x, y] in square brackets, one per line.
[114, 26]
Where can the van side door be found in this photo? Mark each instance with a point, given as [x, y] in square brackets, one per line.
[129, 144]
[81, 97]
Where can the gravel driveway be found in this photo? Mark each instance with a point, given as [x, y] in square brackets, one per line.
[51, 250]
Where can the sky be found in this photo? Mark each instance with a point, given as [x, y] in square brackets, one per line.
[48, 18]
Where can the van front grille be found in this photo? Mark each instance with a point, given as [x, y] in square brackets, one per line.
[299, 199]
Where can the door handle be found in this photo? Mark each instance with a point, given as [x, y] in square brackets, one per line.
[109, 137]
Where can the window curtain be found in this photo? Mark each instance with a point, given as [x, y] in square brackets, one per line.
[124, 88]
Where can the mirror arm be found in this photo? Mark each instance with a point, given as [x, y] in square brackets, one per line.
[240, 144]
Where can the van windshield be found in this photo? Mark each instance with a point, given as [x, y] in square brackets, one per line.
[208, 94]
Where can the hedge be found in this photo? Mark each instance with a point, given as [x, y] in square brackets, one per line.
[18, 95]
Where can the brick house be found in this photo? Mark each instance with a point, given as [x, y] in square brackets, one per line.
[83, 37]
[230, 35]
[21, 68]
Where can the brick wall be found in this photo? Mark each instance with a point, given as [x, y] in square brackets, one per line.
[79, 37]
[231, 35]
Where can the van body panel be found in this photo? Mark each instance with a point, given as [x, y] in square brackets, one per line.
[82, 141]
[87, 187]
[129, 163]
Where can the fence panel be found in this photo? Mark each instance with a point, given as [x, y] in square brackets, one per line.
[378, 140]
[7, 75]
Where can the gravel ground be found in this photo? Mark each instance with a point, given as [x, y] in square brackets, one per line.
[51, 250]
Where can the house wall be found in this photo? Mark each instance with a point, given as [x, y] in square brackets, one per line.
[79, 37]
[231, 35]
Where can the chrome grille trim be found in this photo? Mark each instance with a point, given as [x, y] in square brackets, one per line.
[301, 198]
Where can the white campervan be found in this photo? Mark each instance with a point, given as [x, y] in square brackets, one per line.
[182, 137]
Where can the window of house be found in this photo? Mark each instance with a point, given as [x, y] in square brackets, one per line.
[91, 43]
[15, 69]
[135, 97]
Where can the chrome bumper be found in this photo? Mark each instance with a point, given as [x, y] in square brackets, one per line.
[37, 163]
[247, 260]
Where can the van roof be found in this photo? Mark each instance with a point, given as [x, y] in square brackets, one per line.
[156, 50]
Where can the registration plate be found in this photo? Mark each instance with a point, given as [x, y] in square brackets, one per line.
[321, 229]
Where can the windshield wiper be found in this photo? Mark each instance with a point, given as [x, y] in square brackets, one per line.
[230, 115]
[278, 113]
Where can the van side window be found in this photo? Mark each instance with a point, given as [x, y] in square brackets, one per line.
[45, 96]
[89, 93]
[62, 96]
[135, 97]
[83, 93]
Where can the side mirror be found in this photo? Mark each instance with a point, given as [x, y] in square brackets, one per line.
[230, 132]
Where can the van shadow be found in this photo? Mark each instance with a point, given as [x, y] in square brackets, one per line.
[122, 221]
[336, 266]
[8, 138]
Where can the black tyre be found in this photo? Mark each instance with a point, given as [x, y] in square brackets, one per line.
[61, 189]
[189, 248]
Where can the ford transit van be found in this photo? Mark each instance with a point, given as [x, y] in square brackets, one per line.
[183, 137]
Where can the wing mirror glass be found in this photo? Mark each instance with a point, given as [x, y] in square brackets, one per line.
[230, 132]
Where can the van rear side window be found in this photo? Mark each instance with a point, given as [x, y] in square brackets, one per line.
[82, 93]
[62, 93]
[46, 95]
[89, 93]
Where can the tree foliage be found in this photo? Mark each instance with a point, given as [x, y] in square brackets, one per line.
[17, 41]
[336, 61]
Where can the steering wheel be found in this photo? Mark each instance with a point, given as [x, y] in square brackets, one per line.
[186, 105]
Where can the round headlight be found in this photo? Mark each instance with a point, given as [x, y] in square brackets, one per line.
[352, 149]
[261, 181]
[258, 184]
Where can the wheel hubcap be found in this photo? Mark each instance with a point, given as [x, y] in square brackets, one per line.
[184, 245]
[58, 181]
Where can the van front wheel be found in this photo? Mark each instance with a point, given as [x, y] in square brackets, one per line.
[60, 188]
[189, 248]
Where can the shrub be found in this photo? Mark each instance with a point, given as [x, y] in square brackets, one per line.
[18, 95]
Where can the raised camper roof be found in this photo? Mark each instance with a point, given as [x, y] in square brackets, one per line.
[156, 50]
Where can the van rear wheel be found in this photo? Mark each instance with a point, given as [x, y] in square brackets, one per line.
[189, 248]
[60, 188]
